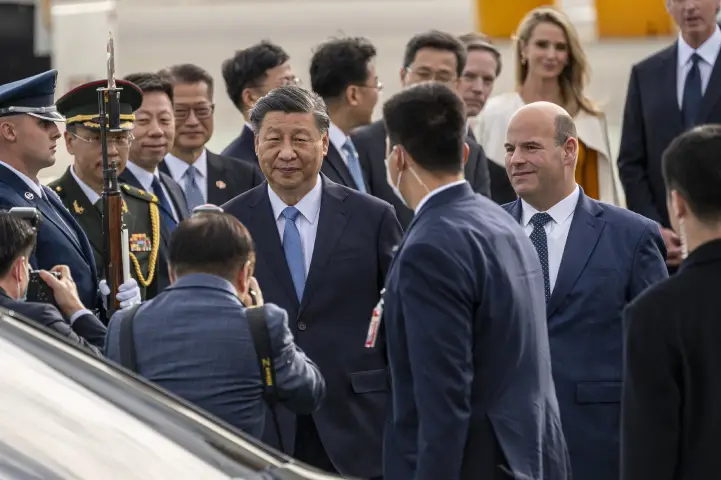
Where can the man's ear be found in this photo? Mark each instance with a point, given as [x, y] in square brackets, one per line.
[466, 152]
[679, 205]
[171, 274]
[248, 98]
[570, 149]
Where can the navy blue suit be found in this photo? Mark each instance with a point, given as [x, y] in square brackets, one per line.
[243, 147]
[473, 396]
[209, 359]
[353, 249]
[611, 256]
[57, 244]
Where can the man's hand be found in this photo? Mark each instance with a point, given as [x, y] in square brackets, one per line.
[254, 297]
[673, 247]
[128, 293]
[64, 290]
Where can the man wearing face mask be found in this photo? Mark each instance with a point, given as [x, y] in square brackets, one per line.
[473, 395]
[72, 320]
[429, 57]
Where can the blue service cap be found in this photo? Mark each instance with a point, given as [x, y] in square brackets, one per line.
[33, 96]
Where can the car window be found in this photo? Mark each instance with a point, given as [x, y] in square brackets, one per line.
[51, 427]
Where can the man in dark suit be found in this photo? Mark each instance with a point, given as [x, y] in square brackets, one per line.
[595, 259]
[76, 323]
[668, 93]
[671, 410]
[343, 73]
[430, 56]
[323, 253]
[153, 134]
[248, 75]
[194, 339]
[204, 176]
[468, 348]
[28, 139]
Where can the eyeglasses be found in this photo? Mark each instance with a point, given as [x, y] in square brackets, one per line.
[120, 142]
[201, 111]
[378, 86]
[427, 75]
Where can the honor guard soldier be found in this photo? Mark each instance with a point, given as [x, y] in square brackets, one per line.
[28, 138]
[81, 187]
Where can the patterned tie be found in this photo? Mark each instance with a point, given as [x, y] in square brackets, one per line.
[538, 237]
[166, 215]
[293, 249]
[193, 195]
[692, 95]
[354, 165]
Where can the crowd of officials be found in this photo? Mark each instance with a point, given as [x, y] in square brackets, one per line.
[469, 288]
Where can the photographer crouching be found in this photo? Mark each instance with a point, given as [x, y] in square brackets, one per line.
[53, 300]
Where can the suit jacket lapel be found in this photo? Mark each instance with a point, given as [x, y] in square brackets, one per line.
[712, 95]
[335, 162]
[216, 176]
[586, 228]
[269, 246]
[177, 197]
[82, 243]
[331, 222]
[668, 78]
[516, 210]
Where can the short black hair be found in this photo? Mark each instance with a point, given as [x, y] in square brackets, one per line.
[340, 63]
[17, 239]
[439, 41]
[150, 82]
[291, 99]
[691, 166]
[188, 73]
[247, 68]
[213, 243]
[428, 120]
[478, 42]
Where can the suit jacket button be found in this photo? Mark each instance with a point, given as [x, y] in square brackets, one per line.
[301, 326]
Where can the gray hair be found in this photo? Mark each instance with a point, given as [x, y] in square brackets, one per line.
[291, 99]
[565, 128]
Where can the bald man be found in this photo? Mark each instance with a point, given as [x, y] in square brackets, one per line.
[595, 259]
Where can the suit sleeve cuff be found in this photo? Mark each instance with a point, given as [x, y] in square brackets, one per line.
[79, 314]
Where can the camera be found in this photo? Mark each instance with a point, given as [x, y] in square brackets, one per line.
[39, 291]
[29, 214]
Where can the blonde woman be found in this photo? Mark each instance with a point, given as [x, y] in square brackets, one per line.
[552, 66]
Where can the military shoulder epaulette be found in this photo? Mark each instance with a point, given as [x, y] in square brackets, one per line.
[138, 193]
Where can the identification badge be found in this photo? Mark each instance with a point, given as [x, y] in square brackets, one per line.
[375, 323]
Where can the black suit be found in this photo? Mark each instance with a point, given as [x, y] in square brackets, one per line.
[651, 120]
[228, 177]
[671, 410]
[335, 168]
[370, 142]
[87, 331]
[177, 197]
[243, 147]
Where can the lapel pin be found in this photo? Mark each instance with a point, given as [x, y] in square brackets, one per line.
[78, 209]
[220, 184]
[29, 195]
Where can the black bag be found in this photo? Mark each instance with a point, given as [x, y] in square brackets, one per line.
[261, 341]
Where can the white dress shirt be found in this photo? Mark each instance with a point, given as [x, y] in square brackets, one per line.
[146, 181]
[307, 221]
[178, 167]
[337, 139]
[708, 51]
[89, 192]
[35, 187]
[438, 190]
[556, 230]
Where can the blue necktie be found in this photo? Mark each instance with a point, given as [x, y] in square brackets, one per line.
[293, 249]
[540, 241]
[193, 195]
[354, 165]
[166, 216]
[692, 95]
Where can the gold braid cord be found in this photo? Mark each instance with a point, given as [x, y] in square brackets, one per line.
[155, 225]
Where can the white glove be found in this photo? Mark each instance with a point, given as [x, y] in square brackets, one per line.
[128, 293]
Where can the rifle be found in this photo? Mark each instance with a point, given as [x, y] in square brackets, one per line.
[115, 232]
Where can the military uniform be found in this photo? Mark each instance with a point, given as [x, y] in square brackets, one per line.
[140, 209]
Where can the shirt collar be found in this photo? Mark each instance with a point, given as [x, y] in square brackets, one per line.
[309, 206]
[178, 167]
[560, 212]
[92, 195]
[144, 177]
[708, 50]
[35, 187]
[438, 190]
[337, 137]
